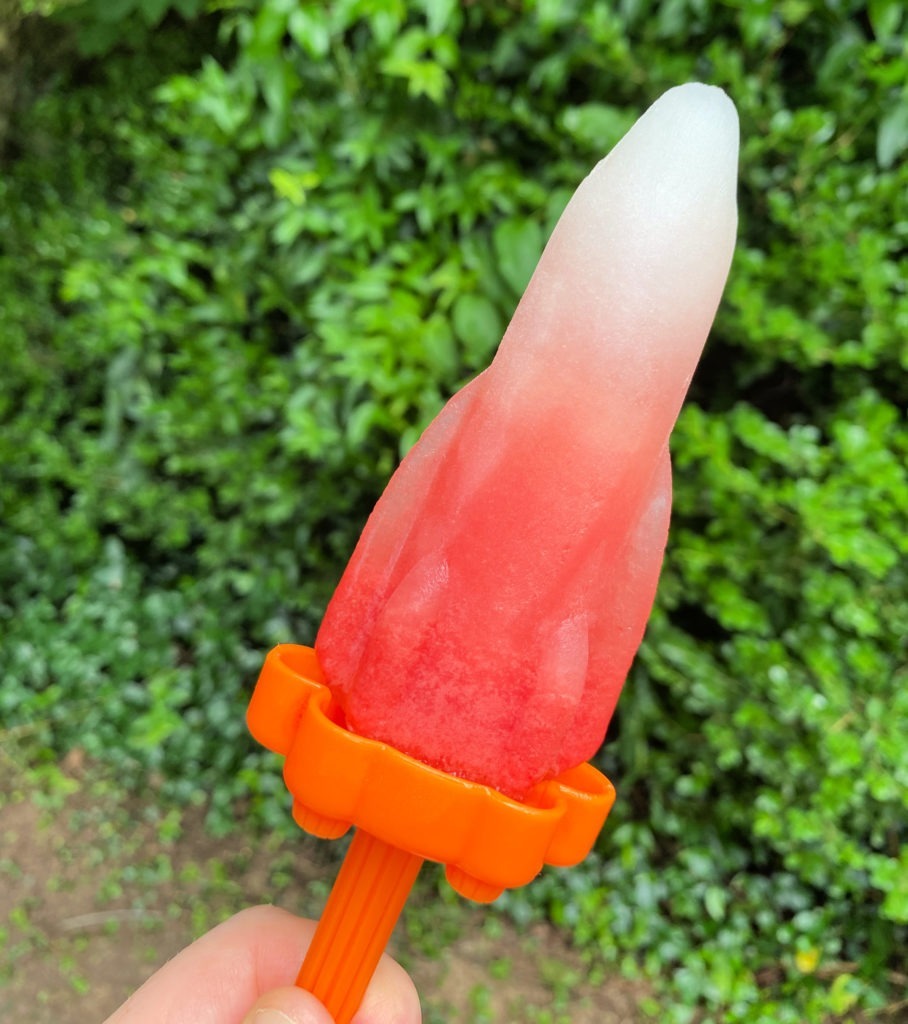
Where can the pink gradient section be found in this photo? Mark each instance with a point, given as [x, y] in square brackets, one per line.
[498, 594]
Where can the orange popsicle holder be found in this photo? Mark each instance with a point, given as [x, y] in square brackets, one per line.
[405, 812]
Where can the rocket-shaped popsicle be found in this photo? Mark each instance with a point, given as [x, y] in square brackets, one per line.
[500, 589]
[479, 638]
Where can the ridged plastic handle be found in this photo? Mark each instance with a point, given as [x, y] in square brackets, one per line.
[365, 903]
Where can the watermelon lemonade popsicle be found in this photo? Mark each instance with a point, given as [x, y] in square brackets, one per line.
[492, 607]
[474, 650]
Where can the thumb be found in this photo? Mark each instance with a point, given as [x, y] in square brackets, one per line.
[289, 1005]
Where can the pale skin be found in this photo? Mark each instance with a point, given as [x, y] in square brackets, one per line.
[242, 972]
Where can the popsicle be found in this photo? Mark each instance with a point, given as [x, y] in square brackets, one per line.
[490, 612]
[482, 631]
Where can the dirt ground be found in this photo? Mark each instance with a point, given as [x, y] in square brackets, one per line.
[97, 891]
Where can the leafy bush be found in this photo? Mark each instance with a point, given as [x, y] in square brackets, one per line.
[229, 310]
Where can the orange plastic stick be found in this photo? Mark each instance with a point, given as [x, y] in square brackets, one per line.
[368, 896]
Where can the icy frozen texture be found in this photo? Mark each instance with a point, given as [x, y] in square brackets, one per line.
[493, 605]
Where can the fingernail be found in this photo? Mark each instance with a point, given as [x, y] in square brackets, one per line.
[269, 1016]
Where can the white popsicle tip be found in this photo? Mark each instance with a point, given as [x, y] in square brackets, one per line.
[664, 201]
[630, 281]
[686, 145]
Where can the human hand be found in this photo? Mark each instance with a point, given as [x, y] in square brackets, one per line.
[242, 972]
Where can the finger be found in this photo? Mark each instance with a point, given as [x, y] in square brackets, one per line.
[218, 978]
[391, 997]
[289, 1005]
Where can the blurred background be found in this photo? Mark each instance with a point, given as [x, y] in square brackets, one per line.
[247, 250]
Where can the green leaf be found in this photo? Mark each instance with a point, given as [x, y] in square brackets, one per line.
[843, 994]
[439, 14]
[715, 900]
[518, 246]
[477, 323]
[886, 18]
[310, 29]
[597, 125]
[294, 186]
[892, 135]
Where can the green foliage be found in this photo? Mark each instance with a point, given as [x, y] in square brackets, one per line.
[232, 298]
[103, 25]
